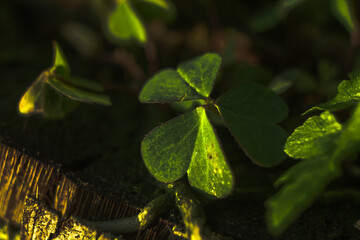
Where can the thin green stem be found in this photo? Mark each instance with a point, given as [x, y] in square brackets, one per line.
[136, 223]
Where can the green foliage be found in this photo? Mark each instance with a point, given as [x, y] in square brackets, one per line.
[124, 23]
[192, 80]
[270, 16]
[251, 113]
[344, 12]
[188, 143]
[348, 94]
[314, 138]
[52, 93]
[323, 144]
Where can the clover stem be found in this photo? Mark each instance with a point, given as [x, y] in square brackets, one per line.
[136, 223]
[191, 210]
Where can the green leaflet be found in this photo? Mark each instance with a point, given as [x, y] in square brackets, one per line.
[305, 181]
[77, 93]
[208, 169]
[167, 86]
[193, 79]
[200, 73]
[251, 113]
[60, 64]
[314, 138]
[348, 94]
[344, 12]
[124, 24]
[188, 144]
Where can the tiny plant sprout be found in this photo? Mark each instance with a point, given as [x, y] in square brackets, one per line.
[55, 92]
[124, 23]
[188, 144]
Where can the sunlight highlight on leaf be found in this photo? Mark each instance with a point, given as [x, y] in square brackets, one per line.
[314, 138]
[208, 169]
[200, 73]
[188, 144]
[193, 80]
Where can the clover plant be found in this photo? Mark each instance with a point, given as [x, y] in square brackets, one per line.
[188, 144]
[123, 22]
[322, 143]
[54, 91]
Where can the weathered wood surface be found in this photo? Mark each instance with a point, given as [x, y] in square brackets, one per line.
[47, 203]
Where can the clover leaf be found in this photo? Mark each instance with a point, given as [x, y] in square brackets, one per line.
[314, 138]
[348, 94]
[324, 144]
[125, 24]
[251, 112]
[53, 92]
[188, 144]
[192, 80]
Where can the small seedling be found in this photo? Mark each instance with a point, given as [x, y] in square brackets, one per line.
[123, 23]
[188, 143]
[55, 91]
[323, 144]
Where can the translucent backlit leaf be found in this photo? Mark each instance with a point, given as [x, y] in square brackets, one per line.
[167, 86]
[124, 24]
[200, 73]
[155, 9]
[60, 64]
[305, 181]
[314, 138]
[76, 93]
[348, 94]
[251, 112]
[30, 102]
[193, 80]
[188, 144]
[344, 12]
[208, 169]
